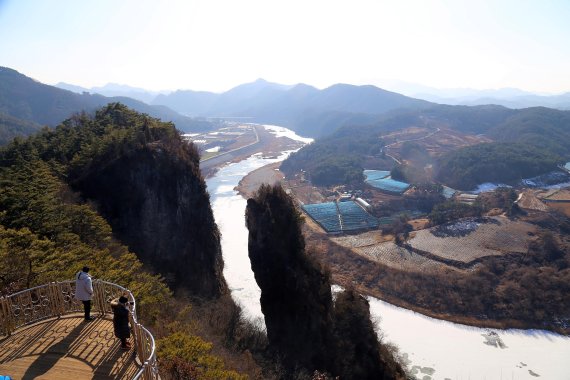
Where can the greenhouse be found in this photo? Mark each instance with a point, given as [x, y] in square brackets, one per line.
[372, 175]
[325, 214]
[353, 217]
[389, 185]
[340, 217]
[448, 192]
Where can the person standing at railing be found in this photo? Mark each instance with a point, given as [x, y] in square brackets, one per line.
[84, 291]
[121, 321]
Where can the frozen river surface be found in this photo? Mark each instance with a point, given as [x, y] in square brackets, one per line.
[434, 349]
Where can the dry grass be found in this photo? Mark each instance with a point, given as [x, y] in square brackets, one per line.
[562, 207]
[381, 249]
[529, 201]
[498, 237]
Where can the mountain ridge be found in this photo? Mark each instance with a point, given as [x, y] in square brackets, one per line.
[29, 100]
[301, 107]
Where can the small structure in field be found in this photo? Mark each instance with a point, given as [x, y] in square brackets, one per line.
[466, 198]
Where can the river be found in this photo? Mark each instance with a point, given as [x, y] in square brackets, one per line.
[434, 349]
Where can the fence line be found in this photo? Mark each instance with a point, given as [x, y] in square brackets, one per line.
[58, 298]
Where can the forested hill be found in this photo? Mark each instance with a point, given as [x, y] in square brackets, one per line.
[97, 190]
[144, 180]
[11, 127]
[542, 134]
[305, 109]
[23, 98]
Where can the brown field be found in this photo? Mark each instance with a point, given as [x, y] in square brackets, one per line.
[443, 141]
[498, 237]
[562, 207]
[419, 224]
[304, 191]
[381, 249]
[557, 195]
[529, 201]
[405, 135]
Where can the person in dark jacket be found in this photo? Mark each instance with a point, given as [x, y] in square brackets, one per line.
[121, 321]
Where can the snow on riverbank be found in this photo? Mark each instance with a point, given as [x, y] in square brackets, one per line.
[456, 351]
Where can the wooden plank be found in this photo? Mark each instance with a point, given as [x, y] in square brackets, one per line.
[66, 348]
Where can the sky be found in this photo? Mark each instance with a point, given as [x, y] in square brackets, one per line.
[214, 45]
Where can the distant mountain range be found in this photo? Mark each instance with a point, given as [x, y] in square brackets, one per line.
[305, 109]
[114, 89]
[26, 104]
[301, 107]
[508, 97]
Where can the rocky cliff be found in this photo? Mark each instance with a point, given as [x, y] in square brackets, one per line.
[295, 294]
[149, 187]
[146, 182]
[304, 326]
[156, 201]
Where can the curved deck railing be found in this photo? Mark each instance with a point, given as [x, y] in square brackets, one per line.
[58, 298]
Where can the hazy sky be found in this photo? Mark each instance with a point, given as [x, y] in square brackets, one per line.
[214, 45]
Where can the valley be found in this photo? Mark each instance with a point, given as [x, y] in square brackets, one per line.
[415, 334]
[300, 190]
[490, 243]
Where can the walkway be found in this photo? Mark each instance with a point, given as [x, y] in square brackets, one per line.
[66, 348]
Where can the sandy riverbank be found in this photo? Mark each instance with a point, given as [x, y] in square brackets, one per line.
[269, 145]
[268, 174]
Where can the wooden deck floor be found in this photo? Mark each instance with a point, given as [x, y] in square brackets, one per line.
[66, 348]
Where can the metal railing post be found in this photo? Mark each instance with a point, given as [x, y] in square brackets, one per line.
[6, 316]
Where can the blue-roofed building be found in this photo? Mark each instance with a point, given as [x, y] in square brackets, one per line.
[389, 185]
[341, 217]
[448, 192]
[371, 175]
[381, 180]
[325, 214]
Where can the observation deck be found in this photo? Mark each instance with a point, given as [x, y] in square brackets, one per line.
[43, 336]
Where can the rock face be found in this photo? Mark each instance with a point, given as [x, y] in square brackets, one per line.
[296, 297]
[304, 327]
[155, 199]
[357, 350]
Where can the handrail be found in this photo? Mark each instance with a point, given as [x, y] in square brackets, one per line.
[58, 298]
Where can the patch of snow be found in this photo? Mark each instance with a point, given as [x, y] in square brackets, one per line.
[214, 149]
[284, 132]
[488, 186]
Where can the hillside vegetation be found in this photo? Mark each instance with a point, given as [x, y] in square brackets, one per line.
[506, 163]
[11, 127]
[333, 160]
[528, 142]
[48, 231]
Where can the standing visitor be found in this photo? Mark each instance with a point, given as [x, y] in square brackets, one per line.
[121, 321]
[84, 291]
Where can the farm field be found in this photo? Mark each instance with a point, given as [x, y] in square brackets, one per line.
[529, 201]
[464, 241]
[561, 207]
[470, 239]
[445, 140]
[373, 246]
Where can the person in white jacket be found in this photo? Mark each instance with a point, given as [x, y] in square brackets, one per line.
[84, 291]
